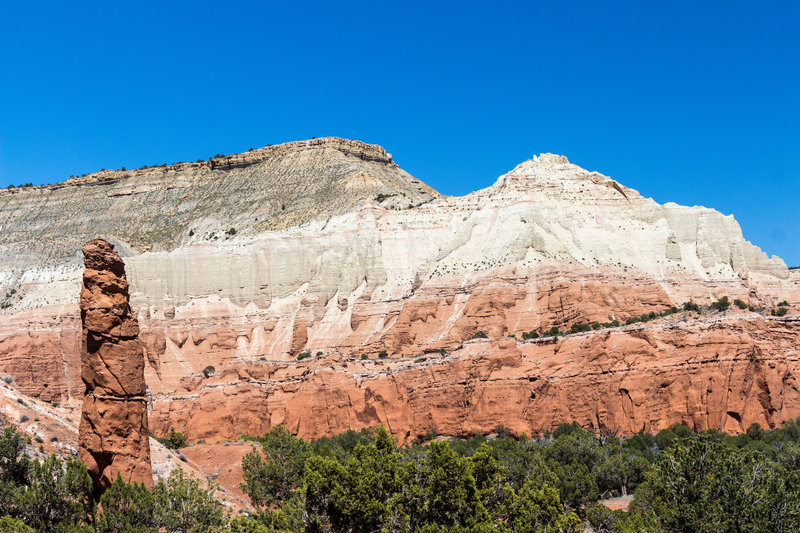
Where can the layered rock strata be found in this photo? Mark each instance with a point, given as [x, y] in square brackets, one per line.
[724, 372]
[114, 435]
[337, 250]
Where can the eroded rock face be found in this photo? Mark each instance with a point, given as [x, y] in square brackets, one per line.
[723, 372]
[114, 436]
[337, 250]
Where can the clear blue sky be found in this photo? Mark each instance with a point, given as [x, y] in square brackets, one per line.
[692, 102]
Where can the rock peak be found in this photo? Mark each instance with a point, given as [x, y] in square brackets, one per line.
[100, 255]
[549, 159]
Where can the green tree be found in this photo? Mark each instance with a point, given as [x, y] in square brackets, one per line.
[55, 494]
[355, 496]
[13, 525]
[174, 440]
[180, 504]
[446, 494]
[722, 304]
[273, 473]
[14, 467]
[576, 484]
[620, 470]
[490, 479]
[126, 508]
[13, 462]
[704, 485]
[539, 510]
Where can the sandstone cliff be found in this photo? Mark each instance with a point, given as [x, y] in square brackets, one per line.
[718, 372]
[364, 258]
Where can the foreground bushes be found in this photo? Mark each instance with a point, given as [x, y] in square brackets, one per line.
[52, 496]
[362, 481]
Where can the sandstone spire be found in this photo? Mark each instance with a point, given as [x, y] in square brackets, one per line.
[114, 436]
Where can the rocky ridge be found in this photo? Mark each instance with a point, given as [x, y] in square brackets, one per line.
[549, 244]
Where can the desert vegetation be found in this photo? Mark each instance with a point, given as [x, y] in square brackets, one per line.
[363, 481]
[681, 481]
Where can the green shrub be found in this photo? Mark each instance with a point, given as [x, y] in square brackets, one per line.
[383, 354]
[319, 353]
[207, 371]
[13, 525]
[783, 304]
[174, 440]
[722, 304]
[364, 356]
[303, 355]
[780, 311]
[691, 306]
[740, 304]
[580, 328]
[480, 335]
[381, 197]
[552, 332]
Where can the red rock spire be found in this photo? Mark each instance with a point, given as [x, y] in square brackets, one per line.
[114, 437]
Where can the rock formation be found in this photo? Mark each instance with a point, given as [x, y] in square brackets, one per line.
[114, 436]
[716, 372]
[326, 245]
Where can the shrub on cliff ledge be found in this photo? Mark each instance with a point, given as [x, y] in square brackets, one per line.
[552, 332]
[174, 439]
[580, 328]
[722, 304]
[207, 371]
[691, 306]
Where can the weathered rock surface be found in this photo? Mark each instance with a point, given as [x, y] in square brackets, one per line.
[363, 258]
[717, 372]
[114, 434]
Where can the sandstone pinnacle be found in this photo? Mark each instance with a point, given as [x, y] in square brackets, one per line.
[114, 437]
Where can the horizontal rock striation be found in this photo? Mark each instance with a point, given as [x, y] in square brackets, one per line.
[157, 208]
[337, 250]
[715, 373]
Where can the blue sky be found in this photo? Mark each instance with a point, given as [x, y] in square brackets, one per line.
[697, 105]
